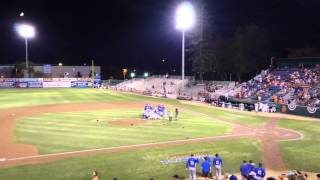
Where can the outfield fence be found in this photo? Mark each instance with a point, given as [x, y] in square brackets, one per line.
[48, 82]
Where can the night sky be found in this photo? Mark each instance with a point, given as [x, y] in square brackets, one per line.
[140, 33]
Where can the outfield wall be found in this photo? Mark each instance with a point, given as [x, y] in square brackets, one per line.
[48, 82]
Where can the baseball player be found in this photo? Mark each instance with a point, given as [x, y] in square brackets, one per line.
[206, 168]
[192, 167]
[177, 114]
[217, 163]
[260, 172]
[170, 115]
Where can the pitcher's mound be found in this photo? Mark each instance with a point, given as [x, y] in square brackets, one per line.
[127, 122]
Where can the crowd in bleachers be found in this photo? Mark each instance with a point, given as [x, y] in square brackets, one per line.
[284, 85]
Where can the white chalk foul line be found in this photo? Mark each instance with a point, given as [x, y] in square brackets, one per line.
[127, 146]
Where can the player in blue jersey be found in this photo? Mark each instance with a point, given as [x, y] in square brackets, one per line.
[206, 168]
[260, 172]
[244, 170]
[217, 163]
[192, 167]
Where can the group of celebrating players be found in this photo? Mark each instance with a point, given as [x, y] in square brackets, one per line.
[158, 112]
[248, 170]
[154, 113]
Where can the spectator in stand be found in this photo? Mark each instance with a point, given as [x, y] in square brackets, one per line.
[260, 172]
[192, 167]
[95, 175]
[217, 163]
[318, 176]
[244, 170]
[206, 168]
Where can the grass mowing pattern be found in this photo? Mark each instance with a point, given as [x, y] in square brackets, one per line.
[61, 132]
[137, 165]
[31, 97]
[303, 154]
[10, 98]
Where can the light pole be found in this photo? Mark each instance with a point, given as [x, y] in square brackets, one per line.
[185, 19]
[26, 31]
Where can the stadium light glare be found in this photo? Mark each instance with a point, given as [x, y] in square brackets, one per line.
[26, 31]
[146, 74]
[60, 64]
[185, 19]
[185, 16]
[132, 75]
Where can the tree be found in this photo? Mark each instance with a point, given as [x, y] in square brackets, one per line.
[251, 50]
[200, 41]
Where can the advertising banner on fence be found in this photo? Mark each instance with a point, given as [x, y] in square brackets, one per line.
[21, 84]
[79, 84]
[35, 84]
[7, 84]
[56, 84]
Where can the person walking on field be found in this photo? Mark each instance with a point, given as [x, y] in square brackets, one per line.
[177, 114]
[170, 115]
[217, 163]
[192, 167]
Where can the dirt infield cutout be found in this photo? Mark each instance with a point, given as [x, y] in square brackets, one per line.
[17, 154]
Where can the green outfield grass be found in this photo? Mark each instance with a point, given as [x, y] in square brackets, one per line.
[304, 154]
[60, 132]
[11, 98]
[137, 165]
[31, 97]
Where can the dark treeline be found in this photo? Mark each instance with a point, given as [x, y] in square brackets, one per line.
[214, 56]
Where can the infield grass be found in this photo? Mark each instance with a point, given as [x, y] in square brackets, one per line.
[60, 132]
[139, 164]
[303, 154]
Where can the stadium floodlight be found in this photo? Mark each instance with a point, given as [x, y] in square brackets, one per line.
[26, 31]
[185, 19]
[132, 75]
[146, 74]
[60, 64]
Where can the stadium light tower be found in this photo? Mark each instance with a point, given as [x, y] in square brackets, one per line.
[26, 31]
[185, 19]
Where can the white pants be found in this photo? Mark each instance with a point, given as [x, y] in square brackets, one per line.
[192, 173]
[218, 171]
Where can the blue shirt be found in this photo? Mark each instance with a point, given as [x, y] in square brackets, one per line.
[250, 168]
[244, 169]
[260, 172]
[205, 166]
[233, 177]
[192, 162]
[208, 159]
[217, 161]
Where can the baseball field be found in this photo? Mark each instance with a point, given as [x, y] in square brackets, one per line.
[68, 133]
